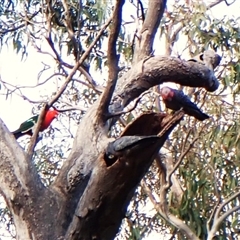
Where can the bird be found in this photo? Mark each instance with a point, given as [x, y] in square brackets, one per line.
[208, 58]
[26, 128]
[127, 145]
[175, 99]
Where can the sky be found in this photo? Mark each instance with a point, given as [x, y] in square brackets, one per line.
[14, 110]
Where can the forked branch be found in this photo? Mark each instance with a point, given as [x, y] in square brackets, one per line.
[218, 219]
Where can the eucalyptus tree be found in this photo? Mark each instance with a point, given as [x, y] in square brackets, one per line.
[117, 150]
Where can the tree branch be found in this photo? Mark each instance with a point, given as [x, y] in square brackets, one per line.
[3, 32]
[112, 61]
[183, 154]
[69, 28]
[34, 137]
[81, 60]
[178, 223]
[62, 89]
[213, 4]
[144, 41]
[219, 219]
[225, 203]
[157, 70]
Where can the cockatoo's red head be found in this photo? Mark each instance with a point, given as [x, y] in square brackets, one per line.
[166, 93]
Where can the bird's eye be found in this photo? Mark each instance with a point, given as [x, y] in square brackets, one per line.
[111, 156]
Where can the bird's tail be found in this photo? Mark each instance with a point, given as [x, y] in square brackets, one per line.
[202, 116]
[18, 134]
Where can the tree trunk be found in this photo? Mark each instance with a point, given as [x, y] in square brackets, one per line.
[89, 198]
[90, 195]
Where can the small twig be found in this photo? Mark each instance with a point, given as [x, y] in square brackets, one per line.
[142, 10]
[183, 154]
[19, 94]
[33, 86]
[219, 199]
[186, 138]
[213, 4]
[137, 100]
[71, 109]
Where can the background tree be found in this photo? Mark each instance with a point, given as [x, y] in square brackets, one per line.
[77, 182]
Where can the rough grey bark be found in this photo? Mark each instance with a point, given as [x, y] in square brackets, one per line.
[33, 206]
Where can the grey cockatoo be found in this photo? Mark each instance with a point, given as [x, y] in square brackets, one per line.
[208, 58]
[176, 99]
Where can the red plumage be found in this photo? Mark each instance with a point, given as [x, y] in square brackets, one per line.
[26, 128]
[50, 115]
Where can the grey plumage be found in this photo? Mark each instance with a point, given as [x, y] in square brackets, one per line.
[208, 58]
[176, 99]
[126, 145]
